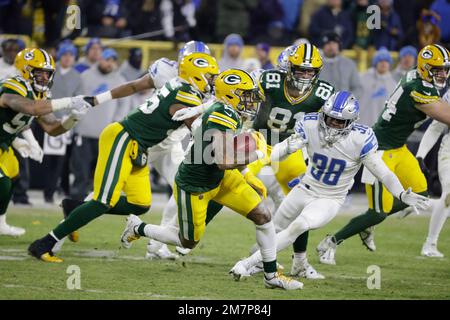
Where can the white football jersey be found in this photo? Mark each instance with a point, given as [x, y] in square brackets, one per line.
[163, 70]
[331, 169]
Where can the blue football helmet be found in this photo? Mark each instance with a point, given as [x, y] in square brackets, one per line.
[193, 47]
[338, 115]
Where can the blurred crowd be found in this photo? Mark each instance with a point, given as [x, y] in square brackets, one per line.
[277, 22]
[333, 26]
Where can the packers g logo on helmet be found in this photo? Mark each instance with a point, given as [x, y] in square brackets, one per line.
[433, 65]
[199, 70]
[232, 79]
[28, 56]
[201, 63]
[427, 54]
[239, 89]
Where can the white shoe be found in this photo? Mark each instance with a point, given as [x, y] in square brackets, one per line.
[239, 271]
[367, 237]
[7, 230]
[430, 250]
[129, 235]
[282, 282]
[163, 252]
[326, 251]
[303, 269]
[259, 267]
[183, 251]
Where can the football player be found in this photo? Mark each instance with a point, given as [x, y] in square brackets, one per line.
[22, 99]
[290, 94]
[164, 156]
[415, 97]
[122, 160]
[336, 146]
[200, 180]
[442, 209]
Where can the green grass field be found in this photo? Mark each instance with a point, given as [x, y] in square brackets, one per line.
[108, 272]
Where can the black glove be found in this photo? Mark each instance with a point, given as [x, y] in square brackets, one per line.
[423, 167]
[89, 100]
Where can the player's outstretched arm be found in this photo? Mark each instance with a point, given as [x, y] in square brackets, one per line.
[224, 155]
[191, 112]
[124, 90]
[429, 139]
[54, 127]
[379, 169]
[40, 107]
[283, 149]
[438, 110]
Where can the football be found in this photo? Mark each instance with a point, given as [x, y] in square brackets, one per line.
[244, 143]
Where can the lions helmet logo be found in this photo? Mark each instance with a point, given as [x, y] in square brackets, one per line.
[28, 56]
[200, 62]
[232, 79]
[427, 54]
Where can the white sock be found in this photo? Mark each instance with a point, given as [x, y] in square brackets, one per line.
[300, 256]
[437, 220]
[169, 213]
[3, 220]
[53, 236]
[265, 237]
[165, 234]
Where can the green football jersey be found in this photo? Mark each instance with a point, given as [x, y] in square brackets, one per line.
[279, 112]
[198, 173]
[400, 117]
[151, 122]
[12, 122]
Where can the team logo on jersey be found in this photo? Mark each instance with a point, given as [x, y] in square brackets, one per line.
[200, 62]
[232, 79]
[427, 54]
[28, 56]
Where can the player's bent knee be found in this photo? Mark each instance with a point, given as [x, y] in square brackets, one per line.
[260, 215]
[297, 227]
[139, 210]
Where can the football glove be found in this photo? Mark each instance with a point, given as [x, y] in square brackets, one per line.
[416, 201]
[261, 145]
[255, 183]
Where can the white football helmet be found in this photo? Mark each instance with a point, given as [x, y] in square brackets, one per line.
[338, 115]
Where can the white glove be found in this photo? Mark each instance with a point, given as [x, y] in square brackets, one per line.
[78, 103]
[28, 150]
[22, 147]
[416, 201]
[187, 113]
[295, 142]
[36, 152]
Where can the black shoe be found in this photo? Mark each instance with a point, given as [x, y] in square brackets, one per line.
[68, 205]
[41, 249]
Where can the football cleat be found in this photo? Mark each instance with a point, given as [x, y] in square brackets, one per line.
[239, 271]
[326, 251]
[41, 249]
[430, 250]
[282, 282]
[157, 250]
[259, 267]
[128, 235]
[303, 269]
[183, 251]
[367, 238]
[68, 205]
[7, 230]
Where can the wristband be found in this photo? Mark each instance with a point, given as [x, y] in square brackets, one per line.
[60, 104]
[244, 171]
[104, 97]
[68, 122]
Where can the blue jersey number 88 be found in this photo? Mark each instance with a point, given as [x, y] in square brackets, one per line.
[328, 176]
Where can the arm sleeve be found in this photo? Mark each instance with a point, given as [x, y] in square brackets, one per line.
[279, 151]
[379, 169]
[430, 137]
